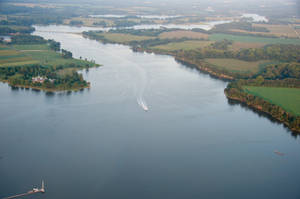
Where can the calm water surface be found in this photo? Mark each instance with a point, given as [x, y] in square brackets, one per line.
[100, 143]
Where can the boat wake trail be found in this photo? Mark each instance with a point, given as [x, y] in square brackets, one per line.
[142, 104]
[141, 85]
[139, 76]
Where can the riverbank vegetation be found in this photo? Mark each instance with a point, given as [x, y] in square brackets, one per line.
[279, 103]
[226, 59]
[276, 92]
[238, 66]
[184, 45]
[287, 98]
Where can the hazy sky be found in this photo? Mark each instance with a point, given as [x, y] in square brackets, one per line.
[291, 7]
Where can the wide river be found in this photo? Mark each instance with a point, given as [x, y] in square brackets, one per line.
[100, 143]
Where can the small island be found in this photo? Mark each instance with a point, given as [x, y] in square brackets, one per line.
[29, 61]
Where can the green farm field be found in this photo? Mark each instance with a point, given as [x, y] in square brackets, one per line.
[287, 98]
[185, 45]
[254, 39]
[19, 55]
[123, 38]
[12, 57]
[31, 47]
[235, 65]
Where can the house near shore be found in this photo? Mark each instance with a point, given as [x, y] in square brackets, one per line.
[40, 79]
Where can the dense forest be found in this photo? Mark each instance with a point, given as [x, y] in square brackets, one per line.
[281, 71]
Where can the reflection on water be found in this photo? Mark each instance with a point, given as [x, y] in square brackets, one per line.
[195, 68]
[50, 94]
[15, 88]
[47, 93]
[260, 114]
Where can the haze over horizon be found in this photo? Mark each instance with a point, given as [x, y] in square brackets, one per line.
[261, 5]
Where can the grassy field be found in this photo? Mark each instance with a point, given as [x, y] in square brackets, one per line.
[279, 30]
[243, 45]
[287, 98]
[31, 47]
[16, 28]
[87, 21]
[66, 71]
[123, 38]
[274, 30]
[183, 33]
[235, 65]
[185, 45]
[19, 55]
[253, 39]
[12, 57]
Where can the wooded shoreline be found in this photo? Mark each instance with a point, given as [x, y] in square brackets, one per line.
[46, 89]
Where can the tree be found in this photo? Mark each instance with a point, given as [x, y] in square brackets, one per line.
[66, 54]
[259, 80]
[54, 45]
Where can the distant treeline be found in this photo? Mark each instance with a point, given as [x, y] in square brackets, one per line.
[140, 44]
[155, 42]
[26, 16]
[142, 32]
[124, 23]
[228, 28]
[27, 39]
[101, 23]
[280, 52]
[75, 23]
[241, 25]
[31, 20]
[5, 29]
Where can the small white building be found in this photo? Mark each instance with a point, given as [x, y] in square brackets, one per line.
[38, 79]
